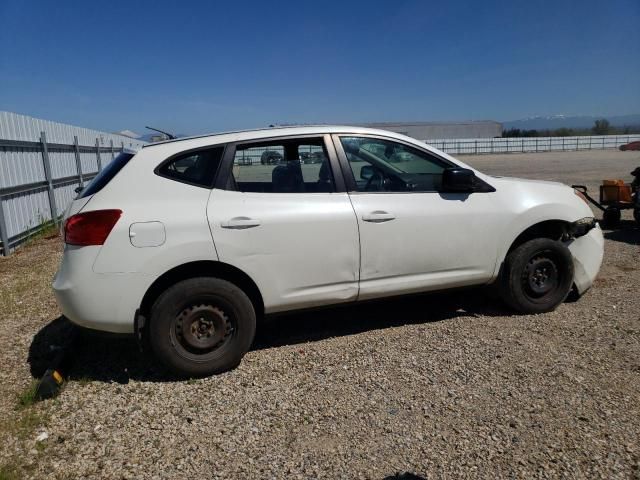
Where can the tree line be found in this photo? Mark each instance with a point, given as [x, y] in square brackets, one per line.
[600, 127]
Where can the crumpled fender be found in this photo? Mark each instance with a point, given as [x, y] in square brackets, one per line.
[587, 252]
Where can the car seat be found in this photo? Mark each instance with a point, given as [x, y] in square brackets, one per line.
[287, 178]
[325, 184]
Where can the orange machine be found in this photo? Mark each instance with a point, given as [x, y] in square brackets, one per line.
[615, 196]
[614, 192]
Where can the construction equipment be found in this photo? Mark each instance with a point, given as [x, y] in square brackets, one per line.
[615, 196]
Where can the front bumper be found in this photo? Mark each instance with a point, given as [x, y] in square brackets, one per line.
[587, 252]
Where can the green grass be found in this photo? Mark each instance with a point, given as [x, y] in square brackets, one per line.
[27, 423]
[45, 229]
[9, 472]
[27, 397]
[82, 381]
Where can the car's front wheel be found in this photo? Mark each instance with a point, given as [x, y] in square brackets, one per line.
[202, 326]
[537, 276]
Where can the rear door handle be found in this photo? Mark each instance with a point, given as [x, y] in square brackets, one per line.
[240, 223]
[378, 216]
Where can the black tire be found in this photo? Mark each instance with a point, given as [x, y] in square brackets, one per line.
[636, 214]
[201, 326]
[611, 217]
[537, 276]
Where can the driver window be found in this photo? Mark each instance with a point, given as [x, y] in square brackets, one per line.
[386, 166]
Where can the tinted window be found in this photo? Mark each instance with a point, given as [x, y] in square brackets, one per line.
[106, 174]
[288, 166]
[386, 166]
[196, 168]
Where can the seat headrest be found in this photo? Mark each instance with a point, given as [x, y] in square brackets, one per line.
[351, 146]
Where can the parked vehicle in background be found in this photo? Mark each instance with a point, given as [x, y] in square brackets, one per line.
[313, 157]
[630, 146]
[270, 157]
[188, 247]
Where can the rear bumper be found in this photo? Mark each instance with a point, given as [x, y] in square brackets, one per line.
[106, 302]
[587, 251]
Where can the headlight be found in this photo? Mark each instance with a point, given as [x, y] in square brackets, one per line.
[581, 227]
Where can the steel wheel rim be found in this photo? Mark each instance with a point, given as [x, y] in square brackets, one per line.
[541, 276]
[201, 330]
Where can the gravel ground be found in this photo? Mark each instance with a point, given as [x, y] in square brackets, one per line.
[447, 385]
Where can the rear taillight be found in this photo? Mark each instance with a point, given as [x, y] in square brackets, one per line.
[90, 228]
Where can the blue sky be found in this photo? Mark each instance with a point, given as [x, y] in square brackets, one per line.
[195, 67]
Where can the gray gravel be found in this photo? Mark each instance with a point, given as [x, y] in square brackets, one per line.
[441, 386]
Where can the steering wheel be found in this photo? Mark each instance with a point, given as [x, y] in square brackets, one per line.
[378, 175]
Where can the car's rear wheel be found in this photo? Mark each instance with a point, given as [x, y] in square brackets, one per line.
[202, 326]
[537, 276]
[636, 214]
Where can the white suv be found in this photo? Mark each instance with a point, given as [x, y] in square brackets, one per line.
[188, 242]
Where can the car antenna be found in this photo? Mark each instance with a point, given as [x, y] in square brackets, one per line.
[171, 136]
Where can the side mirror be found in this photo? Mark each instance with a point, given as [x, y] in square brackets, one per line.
[366, 172]
[78, 189]
[457, 179]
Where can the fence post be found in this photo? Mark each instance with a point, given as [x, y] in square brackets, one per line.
[536, 144]
[4, 235]
[476, 150]
[522, 141]
[590, 140]
[602, 143]
[98, 159]
[563, 144]
[49, 178]
[78, 163]
[111, 143]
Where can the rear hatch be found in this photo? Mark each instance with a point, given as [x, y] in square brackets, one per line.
[98, 183]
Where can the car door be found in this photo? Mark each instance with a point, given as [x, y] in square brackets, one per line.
[412, 237]
[287, 224]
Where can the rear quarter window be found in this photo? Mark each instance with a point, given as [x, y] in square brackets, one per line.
[195, 168]
[106, 174]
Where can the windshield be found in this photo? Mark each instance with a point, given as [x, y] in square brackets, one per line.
[106, 174]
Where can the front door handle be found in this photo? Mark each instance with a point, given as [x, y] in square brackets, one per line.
[240, 223]
[378, 216]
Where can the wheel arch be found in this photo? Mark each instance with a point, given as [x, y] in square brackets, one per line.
[203, 268]
[554, 229]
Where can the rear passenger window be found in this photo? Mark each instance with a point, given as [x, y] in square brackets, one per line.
[288, 166]
[196, 168]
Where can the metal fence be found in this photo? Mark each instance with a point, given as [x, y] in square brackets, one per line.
[477, 146]
[41, 164]
[55, 172]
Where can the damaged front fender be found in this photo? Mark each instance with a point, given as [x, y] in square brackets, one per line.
[587, 251]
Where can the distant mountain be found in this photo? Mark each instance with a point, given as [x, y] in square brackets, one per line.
[553, 122]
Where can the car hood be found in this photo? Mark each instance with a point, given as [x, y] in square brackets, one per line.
[561, 199]
[529, 180]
